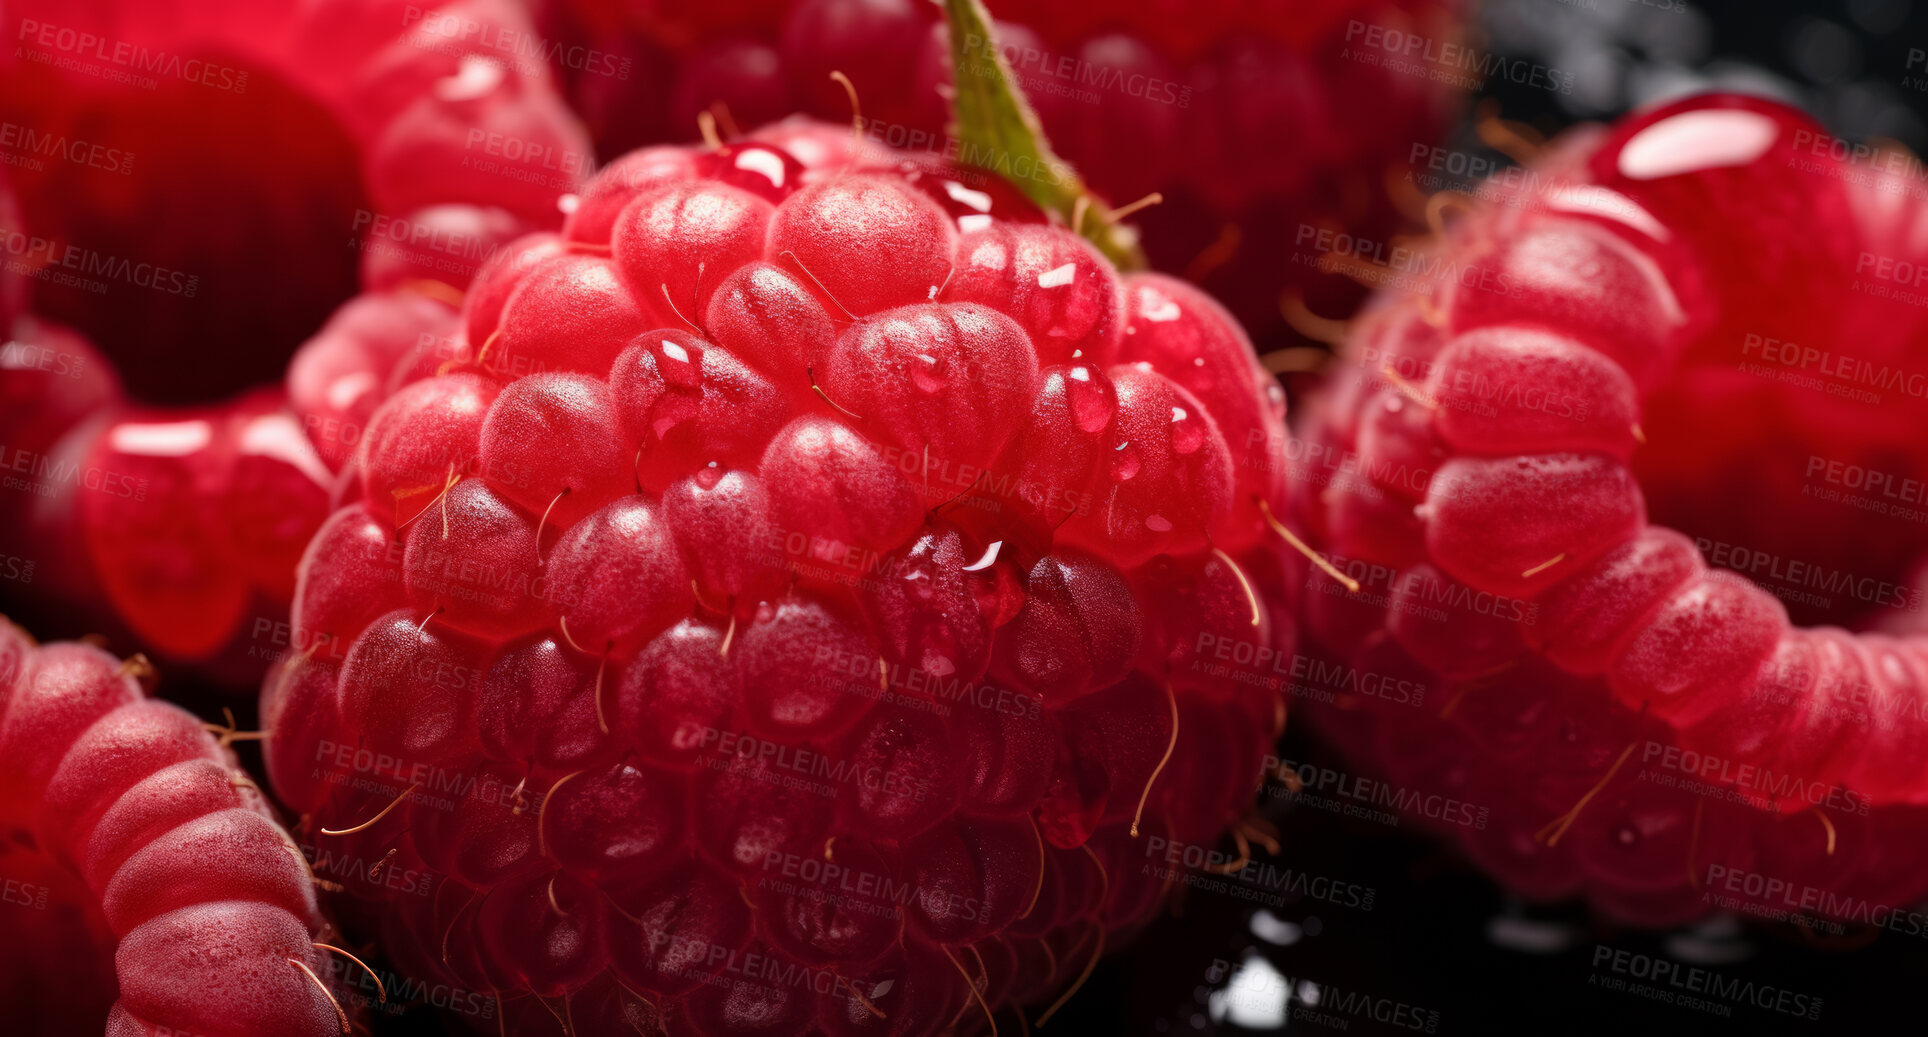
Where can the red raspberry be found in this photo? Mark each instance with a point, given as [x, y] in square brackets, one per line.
[279, 131]
[836, 654]
[13, 289]
[1255, 120]
[1701, 317]
[139, 855]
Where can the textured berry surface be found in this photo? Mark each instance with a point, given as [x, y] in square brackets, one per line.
[138, 854]
[767, 625]
[1630, 494]
[208, 212]
[1254, 120]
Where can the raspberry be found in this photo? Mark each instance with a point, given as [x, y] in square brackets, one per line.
[1197, 105]
[143, 853]
[794, 607]
[1648, 713]
[12, 290]
[177, 519]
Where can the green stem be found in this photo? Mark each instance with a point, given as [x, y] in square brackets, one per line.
[998, 131]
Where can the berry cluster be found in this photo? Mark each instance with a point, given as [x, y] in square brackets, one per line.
[794, 604]
[1682, 319]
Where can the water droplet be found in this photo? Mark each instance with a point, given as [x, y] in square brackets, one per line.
[1125, 463]
[680, 364]
[1090, 401]
[762, 162]
[1188, 433]
[931, 375]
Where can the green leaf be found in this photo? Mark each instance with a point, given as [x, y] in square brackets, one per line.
[998, 131]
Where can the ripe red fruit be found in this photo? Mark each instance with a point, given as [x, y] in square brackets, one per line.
[796, 631]
[1256, 121]
[273, 135]
[142, 854]
[1633, 337]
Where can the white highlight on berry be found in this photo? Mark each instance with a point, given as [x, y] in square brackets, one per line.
[1163, 311]
[1058, 277]
[1690, 141]
[979, 200]
[475, 77]
[169, 439]
[989, 559]
[766, 163]
[279, 436]
[344, 391]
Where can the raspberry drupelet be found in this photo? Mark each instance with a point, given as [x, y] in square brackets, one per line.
[1606, 478]
[811, 586]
